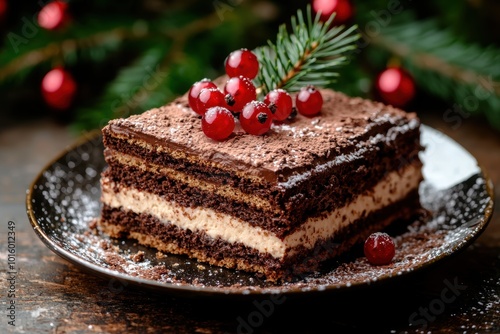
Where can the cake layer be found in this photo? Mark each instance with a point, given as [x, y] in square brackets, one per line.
[150, 231]
[277, 207]
[402, 143]
[176, 184]
[171, 136]
[216, 224]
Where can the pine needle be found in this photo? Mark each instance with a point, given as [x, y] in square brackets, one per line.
[310, 54]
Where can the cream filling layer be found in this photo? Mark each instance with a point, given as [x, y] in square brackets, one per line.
[394, 187]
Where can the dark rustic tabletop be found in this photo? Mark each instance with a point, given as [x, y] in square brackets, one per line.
[53, 296]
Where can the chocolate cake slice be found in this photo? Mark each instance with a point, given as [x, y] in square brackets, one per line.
[277, 204]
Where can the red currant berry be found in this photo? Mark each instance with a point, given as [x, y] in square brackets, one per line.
[379, 248]
[3, 9]
[280, 103]
[309, 101]
[242, 62]
[53, 15]
[256, 118]
[239, 91]
[195, 90]
[59, 88]
[208, 98]
[395, 86]
[343, 9]
[218, 123]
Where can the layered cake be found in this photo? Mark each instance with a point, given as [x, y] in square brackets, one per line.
[278, 204]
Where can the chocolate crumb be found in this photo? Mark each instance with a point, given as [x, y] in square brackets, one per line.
[160, 255]
[138, 257]
[104, 244]
[93, 224]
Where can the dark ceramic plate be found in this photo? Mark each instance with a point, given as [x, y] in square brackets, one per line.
[64, 199]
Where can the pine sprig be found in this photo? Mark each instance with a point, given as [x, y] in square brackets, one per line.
[78, 43]
[159, 74]
[309, 55]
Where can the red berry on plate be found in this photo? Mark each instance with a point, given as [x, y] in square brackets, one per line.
[208, 98]
[309, 101]
[242, 62]
[239, 91]
[280, 103]
[53, 15]
[218, 123]
[379, 248]
[195, 90]
[58, 88]
[256, 118]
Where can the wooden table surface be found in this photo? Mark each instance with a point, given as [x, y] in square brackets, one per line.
[52, 296]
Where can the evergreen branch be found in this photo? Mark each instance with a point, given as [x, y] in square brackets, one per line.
[39, 51]
[438, 50]
[310, 54]
[129, 91]
[203, 24]
[443, 65]
[148, 81]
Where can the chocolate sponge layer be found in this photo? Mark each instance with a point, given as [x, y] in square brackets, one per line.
[169, 238]
[172, 135]
[298, 170]
[315, 200]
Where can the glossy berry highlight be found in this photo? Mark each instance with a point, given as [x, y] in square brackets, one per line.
[343, 10]
[242, 62]
[208, 98]
[395, 86]
[379, 249]
[309, 101]
[195, 90]
[54, 15]
[218, 123]
[239, 91]
[58, 89]
[256, 118]
[280, 103]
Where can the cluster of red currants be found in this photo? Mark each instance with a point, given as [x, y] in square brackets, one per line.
[239, 99]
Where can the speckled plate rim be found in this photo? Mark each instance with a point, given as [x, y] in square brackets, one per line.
[227, 291]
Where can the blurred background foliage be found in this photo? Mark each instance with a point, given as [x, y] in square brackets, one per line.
[128, 56]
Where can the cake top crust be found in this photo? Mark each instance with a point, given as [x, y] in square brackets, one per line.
[288, 149]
